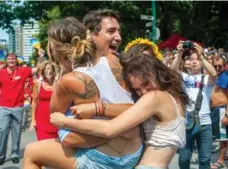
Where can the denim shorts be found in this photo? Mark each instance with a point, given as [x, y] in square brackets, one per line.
[147, 167]
[94, 159]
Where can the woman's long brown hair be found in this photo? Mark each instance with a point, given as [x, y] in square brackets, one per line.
[149, 68]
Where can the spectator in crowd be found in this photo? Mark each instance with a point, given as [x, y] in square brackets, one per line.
[42, 92]
[27, 101]
[210, 57]
[168, 58]
[186, 66]
[11, 101]
[202, 130]
[219, 100]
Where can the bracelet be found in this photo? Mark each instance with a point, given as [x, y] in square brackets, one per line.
[203, 56]
[96, 108]
[101, 108]
[104, 108]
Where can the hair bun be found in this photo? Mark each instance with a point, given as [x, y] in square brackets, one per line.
[78, 46]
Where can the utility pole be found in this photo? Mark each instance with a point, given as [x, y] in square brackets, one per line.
[154, 20]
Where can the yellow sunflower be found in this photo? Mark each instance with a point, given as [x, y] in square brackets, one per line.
[146, 42]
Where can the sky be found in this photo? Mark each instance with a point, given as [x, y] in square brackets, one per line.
[3, 35]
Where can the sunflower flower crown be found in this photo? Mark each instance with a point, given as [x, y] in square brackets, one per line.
[146, 42]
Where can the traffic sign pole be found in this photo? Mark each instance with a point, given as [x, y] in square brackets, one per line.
[154, 21]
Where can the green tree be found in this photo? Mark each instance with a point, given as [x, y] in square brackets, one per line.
[201, 21]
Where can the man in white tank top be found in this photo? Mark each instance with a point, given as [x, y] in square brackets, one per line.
[107, 39]
[203, 137]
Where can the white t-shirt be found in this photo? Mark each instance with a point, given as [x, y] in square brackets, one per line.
[192, 84]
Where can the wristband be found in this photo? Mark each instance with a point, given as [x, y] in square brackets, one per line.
[96, 108]
[203, 56]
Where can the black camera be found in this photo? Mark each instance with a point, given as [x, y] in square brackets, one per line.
[187, 45]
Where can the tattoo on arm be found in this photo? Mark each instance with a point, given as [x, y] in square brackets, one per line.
[90, 89]
[118, 74]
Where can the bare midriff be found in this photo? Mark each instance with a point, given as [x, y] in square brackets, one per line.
[127, 143]
[218, 97]
[157, 156]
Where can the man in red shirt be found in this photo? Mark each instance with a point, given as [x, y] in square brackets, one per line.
[12, 80]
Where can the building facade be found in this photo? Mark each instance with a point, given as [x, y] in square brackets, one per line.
[20, 39]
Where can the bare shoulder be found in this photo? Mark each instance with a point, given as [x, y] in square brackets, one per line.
[155, 98]
[117, 71]
[79, 85]
[155, 94]
[152, 97]
[71, 81]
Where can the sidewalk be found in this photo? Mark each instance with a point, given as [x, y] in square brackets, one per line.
[28, 137]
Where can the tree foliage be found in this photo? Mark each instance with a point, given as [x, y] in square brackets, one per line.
[197, 20]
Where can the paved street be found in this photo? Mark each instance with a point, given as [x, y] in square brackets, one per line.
[28, 137]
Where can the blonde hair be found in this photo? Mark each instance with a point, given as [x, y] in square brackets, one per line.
[43, 65]
[70, 38]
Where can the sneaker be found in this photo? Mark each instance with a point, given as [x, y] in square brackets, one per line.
[15, 160]
[2, 161]
[216, 149]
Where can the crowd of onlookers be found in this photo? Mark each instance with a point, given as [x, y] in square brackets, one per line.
[211, 53]
[217, 95]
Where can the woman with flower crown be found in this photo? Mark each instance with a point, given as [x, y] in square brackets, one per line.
[160, 107]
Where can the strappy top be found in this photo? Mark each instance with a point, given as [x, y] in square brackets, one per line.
[167, 135]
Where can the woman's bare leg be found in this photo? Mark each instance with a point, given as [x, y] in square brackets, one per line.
[48, 153]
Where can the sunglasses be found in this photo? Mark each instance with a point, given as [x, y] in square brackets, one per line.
[218, 66]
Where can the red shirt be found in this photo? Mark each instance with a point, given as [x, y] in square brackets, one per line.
[28, 86]
[12, 90]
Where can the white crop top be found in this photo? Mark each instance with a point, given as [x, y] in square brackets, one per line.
[169, 134]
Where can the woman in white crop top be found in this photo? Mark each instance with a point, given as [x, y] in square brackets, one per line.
[160, 107]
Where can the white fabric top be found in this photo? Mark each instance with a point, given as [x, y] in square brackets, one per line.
[109, 88]
[192, 85]
[169, 134]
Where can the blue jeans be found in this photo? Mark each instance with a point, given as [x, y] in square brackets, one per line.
[147, 167]
[204, 145]
[10, 119]
[94, 159]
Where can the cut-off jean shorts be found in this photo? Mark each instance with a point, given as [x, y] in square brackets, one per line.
[94, 159]
[148, 167]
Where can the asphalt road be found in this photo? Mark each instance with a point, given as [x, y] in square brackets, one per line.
[28, 137]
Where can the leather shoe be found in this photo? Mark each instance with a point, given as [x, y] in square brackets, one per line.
[15, 160]
[2, 161]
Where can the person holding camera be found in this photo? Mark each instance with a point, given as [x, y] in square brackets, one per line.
[199, 88]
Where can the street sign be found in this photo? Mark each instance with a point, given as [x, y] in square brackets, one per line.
[148, 24]
[147, 17]
[158, 33]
